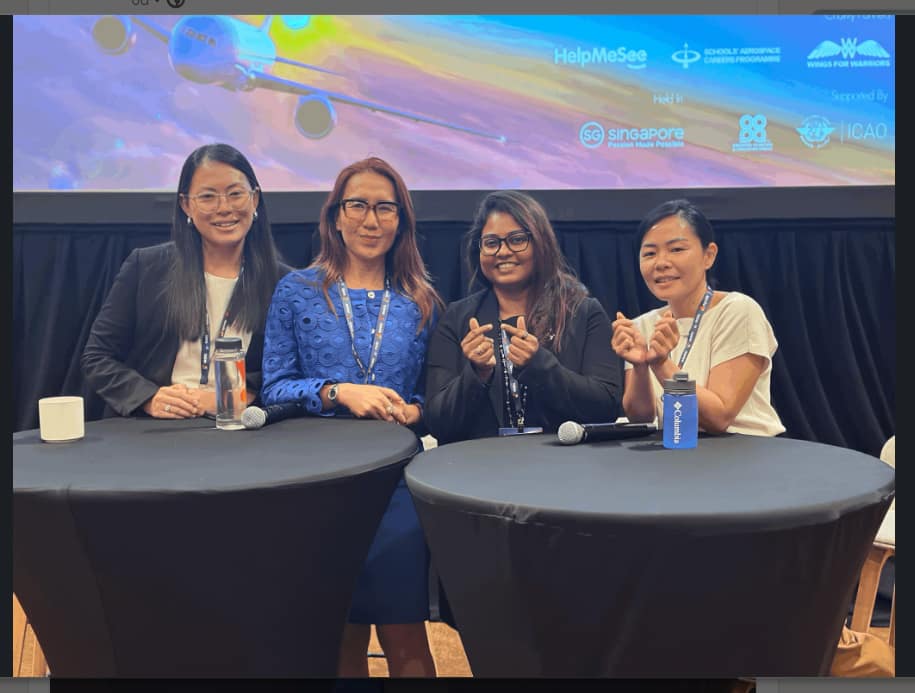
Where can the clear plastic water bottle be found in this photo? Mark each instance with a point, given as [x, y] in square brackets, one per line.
[231, 395]
[681, 412]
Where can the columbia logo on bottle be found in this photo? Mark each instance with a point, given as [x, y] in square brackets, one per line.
[681, 412]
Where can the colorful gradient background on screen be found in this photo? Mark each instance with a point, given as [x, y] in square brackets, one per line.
[755, 109]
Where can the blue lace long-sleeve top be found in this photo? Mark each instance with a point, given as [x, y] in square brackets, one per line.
[307, 346]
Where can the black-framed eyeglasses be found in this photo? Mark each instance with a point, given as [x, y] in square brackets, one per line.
[357, 210]
[516, 241]
[209, 201]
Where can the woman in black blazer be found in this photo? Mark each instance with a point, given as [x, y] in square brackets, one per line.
[529, 350]
[170, 302]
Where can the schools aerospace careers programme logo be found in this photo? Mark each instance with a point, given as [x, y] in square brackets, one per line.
[731, 55]
[592, 135]
[634, 59]
[848, 53]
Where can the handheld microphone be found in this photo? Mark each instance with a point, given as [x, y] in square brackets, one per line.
[258, 417]
[572, 433]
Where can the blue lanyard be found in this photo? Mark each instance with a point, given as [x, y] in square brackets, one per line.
[366, 373]
[515, 393]
[205, 334]
[694, 328]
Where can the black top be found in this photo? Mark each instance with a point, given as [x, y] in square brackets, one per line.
[582, 382]
[144, 455]
[724, 484]
[130, 354]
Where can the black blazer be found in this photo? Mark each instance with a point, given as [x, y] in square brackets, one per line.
[583, 383]
[130, 354]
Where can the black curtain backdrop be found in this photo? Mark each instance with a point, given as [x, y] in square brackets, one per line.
[827, 286]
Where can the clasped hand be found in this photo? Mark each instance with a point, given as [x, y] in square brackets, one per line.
[180, 402]
[376, 402]
[629, 344]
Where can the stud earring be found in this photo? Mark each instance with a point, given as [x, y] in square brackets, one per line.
[190, 222]
[255, 215]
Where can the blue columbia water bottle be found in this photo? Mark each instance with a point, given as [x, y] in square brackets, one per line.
[681, 412]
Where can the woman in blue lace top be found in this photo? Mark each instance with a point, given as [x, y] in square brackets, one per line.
[348, 336]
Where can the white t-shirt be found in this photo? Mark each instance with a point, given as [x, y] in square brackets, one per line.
[735, 326]
[187, 362]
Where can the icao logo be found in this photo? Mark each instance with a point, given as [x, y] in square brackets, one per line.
[685, 56]
[591, 134]
[815, 131]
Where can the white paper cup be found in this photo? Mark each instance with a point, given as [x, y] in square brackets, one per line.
[61, 419]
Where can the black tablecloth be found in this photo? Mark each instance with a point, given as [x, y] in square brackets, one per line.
[737, 558]
[169, 548]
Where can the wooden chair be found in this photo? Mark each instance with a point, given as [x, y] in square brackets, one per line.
[883, 549]
[28, 658]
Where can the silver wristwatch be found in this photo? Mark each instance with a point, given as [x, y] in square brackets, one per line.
[332, 393]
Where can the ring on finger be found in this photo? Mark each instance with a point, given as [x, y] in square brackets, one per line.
[480, 350]
[389, 409]
[167, 408]
[524, 335]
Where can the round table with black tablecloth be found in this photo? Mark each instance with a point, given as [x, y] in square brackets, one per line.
[163, 548]
[624, 559]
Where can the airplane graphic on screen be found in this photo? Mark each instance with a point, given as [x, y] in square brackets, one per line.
[237, 56]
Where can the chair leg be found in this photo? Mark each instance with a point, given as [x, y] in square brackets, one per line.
[867, 589]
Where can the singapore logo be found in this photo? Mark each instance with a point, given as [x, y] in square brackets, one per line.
[848, 53]
[752, 136]
[591, 134]
[685, 56]
[815, 131]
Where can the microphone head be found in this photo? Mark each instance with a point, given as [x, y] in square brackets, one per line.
[253, 417]
[571, 433]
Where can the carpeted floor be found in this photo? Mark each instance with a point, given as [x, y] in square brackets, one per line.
[448, 651]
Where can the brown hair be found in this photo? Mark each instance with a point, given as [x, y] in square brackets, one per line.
[403, 263]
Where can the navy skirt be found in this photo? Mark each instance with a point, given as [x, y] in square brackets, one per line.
[394, 584]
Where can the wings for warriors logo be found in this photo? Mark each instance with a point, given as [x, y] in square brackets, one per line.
[848, 53]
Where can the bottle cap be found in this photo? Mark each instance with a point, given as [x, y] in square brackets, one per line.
[680, 384]
[228, 343]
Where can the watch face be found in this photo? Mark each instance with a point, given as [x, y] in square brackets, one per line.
[332, 393]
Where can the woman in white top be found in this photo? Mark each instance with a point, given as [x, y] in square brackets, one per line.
[150, 346]
[722, 339]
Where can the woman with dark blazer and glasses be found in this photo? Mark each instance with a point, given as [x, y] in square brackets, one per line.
[530, 348]
[150, 346]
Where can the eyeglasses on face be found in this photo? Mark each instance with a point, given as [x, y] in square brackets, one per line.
[516, 241]
[357, 210]
[209, 201]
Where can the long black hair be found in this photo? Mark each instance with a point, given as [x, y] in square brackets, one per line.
[555, 291]
[186, 288]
